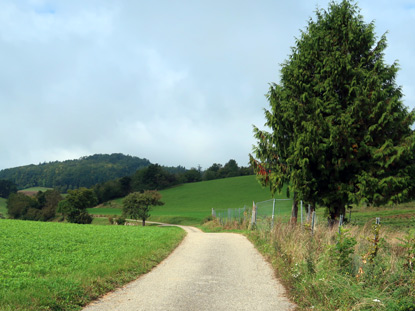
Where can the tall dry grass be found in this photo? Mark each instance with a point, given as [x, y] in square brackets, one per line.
[352, 270]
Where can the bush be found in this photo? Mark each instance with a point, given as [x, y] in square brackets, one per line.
[120, 221]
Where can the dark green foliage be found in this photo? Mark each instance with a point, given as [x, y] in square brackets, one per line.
[339, 131]
[6, 188]
[73, 208]
[73, 174]
[153, 177]
[41, 207]
[192, 175]
[18, 205]
[120, 221]
[138, 205]
[230, 169]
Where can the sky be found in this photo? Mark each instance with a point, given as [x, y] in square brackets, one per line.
[175, 82]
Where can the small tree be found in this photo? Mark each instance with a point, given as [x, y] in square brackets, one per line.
[138, 205]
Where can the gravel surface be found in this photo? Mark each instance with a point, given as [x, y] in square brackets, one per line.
[208, 271]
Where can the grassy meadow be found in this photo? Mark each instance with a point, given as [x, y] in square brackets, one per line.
[189, 204]
[60, 266]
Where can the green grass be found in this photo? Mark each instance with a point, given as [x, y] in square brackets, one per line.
[55, 266]
[401, 216]
[43, 189]
[3, 206]
[189, 204]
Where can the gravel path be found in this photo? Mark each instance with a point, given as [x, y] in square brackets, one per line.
[208, 271]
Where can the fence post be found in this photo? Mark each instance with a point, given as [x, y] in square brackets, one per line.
[253, 219]
[340, 222]
[301, 202]
[213, 213]
[273, 213]
[313, 217]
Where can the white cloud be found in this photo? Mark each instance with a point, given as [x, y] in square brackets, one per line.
[177, 82]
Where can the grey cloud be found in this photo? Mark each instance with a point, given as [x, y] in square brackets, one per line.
[177, 82]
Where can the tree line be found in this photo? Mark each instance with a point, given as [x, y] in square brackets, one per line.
[156, 177]
[45, 205]
[72, 174]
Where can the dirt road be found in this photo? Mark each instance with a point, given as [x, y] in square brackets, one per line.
[208, 271]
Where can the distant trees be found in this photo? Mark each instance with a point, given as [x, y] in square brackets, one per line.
[138, 205]
[6, 188]
[73, 174]
[40, 207]
[74, 207]
[153, 177]
[230, 169]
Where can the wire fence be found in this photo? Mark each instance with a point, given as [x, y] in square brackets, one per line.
[265, 215]
[261, 214]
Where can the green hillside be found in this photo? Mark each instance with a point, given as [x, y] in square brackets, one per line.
[191, 203]
[72, 174]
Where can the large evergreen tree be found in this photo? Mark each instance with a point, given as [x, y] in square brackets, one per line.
[339, 132]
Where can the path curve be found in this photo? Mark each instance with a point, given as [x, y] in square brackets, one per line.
[208, 271]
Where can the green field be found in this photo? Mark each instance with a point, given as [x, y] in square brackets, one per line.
[56, 266]
[190, 203]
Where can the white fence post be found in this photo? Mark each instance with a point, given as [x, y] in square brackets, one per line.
[273, 213]
[253, 219]
[301, 211]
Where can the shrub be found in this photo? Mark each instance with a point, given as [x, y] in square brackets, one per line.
[120, 221]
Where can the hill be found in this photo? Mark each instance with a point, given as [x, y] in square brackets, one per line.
[191, 203]
[72, 174]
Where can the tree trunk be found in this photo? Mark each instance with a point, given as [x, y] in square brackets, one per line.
[144, 222]
[294, 210]
[337, 209]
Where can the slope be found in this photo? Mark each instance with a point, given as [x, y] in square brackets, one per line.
[191, 203]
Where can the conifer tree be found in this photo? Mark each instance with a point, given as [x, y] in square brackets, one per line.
[339, 132]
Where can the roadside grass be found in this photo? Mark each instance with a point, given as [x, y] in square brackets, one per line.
[61, 266]
[347, 271]
[190, 204]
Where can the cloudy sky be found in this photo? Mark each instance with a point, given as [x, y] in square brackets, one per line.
[176, 82]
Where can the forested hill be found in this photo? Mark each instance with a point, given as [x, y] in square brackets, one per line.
[71, 174]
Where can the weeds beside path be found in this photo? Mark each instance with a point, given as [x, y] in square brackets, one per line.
[360, 268]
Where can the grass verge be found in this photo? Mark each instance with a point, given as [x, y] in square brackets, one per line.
[55, 266]
[353, 270]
